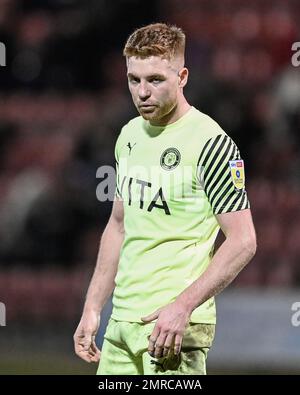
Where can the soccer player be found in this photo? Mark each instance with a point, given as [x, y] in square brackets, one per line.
[180, 178]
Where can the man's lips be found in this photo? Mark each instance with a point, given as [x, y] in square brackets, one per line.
[146, 105]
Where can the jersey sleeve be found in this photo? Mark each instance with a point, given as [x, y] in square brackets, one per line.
[222, 175]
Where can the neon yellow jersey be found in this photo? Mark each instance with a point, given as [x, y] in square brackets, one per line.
[173, 180]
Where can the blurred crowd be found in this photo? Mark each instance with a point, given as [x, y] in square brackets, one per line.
[64, 98]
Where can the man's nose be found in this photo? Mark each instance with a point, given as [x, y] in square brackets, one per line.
[144, 91]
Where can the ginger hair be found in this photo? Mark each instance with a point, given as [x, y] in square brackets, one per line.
[156, 39]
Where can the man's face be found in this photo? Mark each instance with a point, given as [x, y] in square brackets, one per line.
[154, 86]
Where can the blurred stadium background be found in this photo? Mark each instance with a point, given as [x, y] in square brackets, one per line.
[63, 99]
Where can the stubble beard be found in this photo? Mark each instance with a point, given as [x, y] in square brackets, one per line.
[150, 115]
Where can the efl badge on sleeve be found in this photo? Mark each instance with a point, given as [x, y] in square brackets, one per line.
[237, 173]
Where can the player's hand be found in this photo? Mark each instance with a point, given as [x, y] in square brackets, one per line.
[167, 334]
[84, 337]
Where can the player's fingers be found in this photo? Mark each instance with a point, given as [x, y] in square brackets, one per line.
[77, 338]
[81, 352]
[96, 358]
[95, 353]
[152, 340]
[86, 341]
[177, 345]
[90, 353]
[82, 343]
[94, 347]
[85, 356]
[168, 344]
[78, 345]
[159, 344]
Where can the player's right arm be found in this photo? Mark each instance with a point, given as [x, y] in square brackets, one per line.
[101, 285]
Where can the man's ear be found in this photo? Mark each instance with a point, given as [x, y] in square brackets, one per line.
[183, 77]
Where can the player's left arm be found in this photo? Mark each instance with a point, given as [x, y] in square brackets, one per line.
[223, 182]
[232, 256]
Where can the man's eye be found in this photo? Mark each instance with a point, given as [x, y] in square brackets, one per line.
[133, 81]
[156, 81]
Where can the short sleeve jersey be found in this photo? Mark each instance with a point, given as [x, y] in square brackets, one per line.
[173, 181]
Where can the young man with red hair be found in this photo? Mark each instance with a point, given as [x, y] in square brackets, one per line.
[180, 178]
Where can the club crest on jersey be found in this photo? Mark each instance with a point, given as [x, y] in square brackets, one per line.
[237, 173]
[170, 158]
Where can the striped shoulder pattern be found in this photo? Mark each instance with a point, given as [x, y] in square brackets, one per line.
[216, 179]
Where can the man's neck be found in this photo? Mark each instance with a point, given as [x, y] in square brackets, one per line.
[173, 115]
